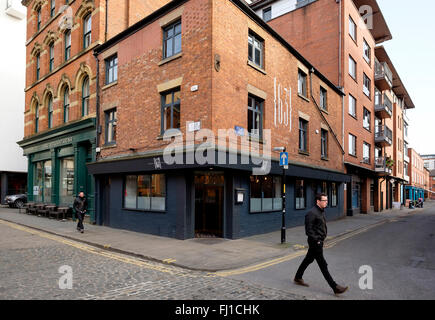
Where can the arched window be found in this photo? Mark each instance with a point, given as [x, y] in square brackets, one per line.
[51, 56]
[85, 96]
[52, 8]
[87, 28]
[38, 14]
[67, 45]
[38, 66]
[50, 111]
[66, 105]
[36, 118]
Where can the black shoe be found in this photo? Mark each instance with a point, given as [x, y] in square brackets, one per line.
[339, 289]
[301, 282]
[82, 231]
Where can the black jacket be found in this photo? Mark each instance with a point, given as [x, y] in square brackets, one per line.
[315, 224]
[80, 204]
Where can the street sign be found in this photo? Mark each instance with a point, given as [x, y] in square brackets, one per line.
[283, 159]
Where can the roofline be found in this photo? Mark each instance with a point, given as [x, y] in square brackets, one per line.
[242, 6]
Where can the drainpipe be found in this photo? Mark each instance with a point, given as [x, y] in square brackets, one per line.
[97, 107]
[106, 24]
[339, 42]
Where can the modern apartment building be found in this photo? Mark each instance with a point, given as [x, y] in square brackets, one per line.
[205, 91]
[60, 90]
[429, 161]
[342, 45]
[13, 165]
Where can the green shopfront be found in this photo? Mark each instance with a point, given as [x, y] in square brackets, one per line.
[57, 160]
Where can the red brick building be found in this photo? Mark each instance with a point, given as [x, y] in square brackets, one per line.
[218, 66]
[60, 90]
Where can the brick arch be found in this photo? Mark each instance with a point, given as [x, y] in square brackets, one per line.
[50, 38]
[85, 8]
[64, 82]
[83, 71]
[37, 49]
[37, 5]
[47, 92]
[34, 101]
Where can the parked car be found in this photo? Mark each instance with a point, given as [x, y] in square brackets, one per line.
[16, 200]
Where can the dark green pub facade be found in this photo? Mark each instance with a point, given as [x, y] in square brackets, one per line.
[57, 160]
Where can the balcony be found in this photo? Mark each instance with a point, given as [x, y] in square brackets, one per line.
[383, 136]
[405, 156]
[383, 76]
[383, 109]
[381, 166]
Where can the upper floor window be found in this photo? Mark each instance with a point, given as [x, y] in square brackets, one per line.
[366, 119]
[255, 116]
[111, 69]
[172, 40]
[352, 145]
[51, 63]
[110, 121]
[67, 45]
[303, 138]
[256, 50]
[87, 28]
[352, 28]
[323, 99]
[267, 14]
[66, 105]
[36, 119]
[170, 110]
[352, 67]
[52, 8]
[38, 19]
[367, 51]
[367, 85]
[85, 97]
[352, 106]
[38, 66]
[366, 153]
[302, 83]
[50, 112]
[324, 144]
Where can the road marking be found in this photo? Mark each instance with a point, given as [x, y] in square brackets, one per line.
[169, 260]
[96, 251]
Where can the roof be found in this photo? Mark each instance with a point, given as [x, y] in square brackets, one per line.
[398, 86]
[242, 5]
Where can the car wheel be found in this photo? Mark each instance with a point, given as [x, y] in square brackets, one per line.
[19, 204]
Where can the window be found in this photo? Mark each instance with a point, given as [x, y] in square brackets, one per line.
[352, 106]
[256, 50]
[67, 45]
[267, 14]
[172, 40]
[323, 99]
[303, 126]
[255, 116]
[352, 67]
[66, 105]
[145, 192]
[367, 52]
[352, 29]
[52, 8]
[352, 145]
[300, 197]
[38, 13]
[87, 28]
[302, 83]
[366, 153]
[85, 96]
[366, 119]
[111, 69]
[51, 57]
[110, 127]
[324, 144]
[36, 119]
[367, 85]
[50, 112]
[170, 110]
[66, 182]
[265, 193]
[38, 66]
[334, 194]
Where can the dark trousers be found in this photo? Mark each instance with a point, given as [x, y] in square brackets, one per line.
[80, 217]
[315, 252]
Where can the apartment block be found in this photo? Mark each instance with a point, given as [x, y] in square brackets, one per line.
[188, 72]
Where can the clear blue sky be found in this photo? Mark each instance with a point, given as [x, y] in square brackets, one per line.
[412, 51]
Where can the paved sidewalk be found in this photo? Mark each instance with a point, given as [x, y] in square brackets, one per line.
[206, 254]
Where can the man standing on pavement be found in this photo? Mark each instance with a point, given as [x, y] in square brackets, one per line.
[316, 230]
[80, 206]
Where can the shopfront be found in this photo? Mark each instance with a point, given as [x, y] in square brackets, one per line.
[57, 160]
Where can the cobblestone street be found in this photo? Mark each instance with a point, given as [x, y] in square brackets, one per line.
[29, 269]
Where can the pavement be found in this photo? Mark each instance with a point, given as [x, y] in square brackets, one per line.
[204, 254]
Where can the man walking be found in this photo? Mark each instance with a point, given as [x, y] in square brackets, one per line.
[80, 207]
[315, 229]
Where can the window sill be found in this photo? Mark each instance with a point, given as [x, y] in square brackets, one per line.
[171, 58]
[256, 67]
[108, 146]
[368, 129]
[255, 139]
[353, 116]
[354, 79]
[352, 155]
[107, 86]
[160, 136]
[324, 110]
[325, 158]
[145, 211]
[303, 97]
[266, 211]
[305, 153]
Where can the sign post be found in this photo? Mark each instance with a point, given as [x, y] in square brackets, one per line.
[283, 161]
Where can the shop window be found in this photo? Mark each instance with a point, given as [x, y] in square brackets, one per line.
[334, 194]
[265, 193]
[66, 183]
[145, 192]
[300, 195]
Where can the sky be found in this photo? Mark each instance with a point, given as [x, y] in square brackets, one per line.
[412, 51]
